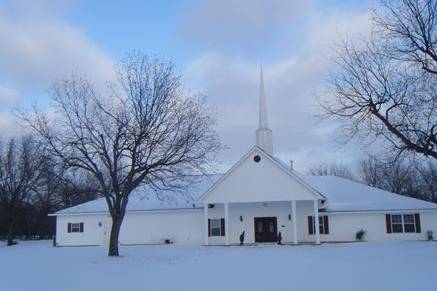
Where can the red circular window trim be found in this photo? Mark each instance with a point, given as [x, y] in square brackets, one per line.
[257, 158]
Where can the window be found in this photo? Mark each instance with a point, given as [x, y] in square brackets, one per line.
[321, 229]
[216, 227]
[409, 223]
[403, 223]
[323, 224]
[75, 227]
[396, 223]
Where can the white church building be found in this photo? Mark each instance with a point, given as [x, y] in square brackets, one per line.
[260, 196]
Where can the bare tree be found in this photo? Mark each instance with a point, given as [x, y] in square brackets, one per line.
[19, 173]
[385, 87]
[427, 176]
[146, 131]
[57, 188]
[402, 175]
[338, 170]
[410, 30]
[394, 175]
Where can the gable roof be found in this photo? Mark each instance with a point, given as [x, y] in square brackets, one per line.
[278, 164]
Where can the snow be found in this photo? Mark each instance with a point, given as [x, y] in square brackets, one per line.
[400, 265]
[341, 195]
[147, 199]
[346, 195]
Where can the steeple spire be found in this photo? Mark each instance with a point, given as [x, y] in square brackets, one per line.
[263, 133]
[263, 121]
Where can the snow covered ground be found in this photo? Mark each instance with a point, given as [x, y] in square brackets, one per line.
[384, 266]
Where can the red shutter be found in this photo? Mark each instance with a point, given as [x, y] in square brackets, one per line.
[326, 224]
[417, 219]
[310, 225]
[222, 222]
[209, 227]
[81, 227]
[388, 222]
[69, 228]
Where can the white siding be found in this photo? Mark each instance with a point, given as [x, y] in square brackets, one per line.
[181, 227]
[343, 227]
[258, 182]
[92, 233]
[187, 227]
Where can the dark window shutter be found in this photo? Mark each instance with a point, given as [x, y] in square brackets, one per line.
[388, 222]
[326, 224]
[81, 227]
[69, 228]
[417, 219]
[310, 225]
[209, 227]
[222, 222]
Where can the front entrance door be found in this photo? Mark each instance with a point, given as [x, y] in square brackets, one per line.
[266, 229]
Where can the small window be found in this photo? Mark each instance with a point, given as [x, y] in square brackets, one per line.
[323, 224]
[409, 223]
[396, 222]
[216, 227]
[257, 159]
[75, 227]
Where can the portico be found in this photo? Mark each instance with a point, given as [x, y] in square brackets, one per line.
[261, 222]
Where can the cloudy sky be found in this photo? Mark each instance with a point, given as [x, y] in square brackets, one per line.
[218, 45]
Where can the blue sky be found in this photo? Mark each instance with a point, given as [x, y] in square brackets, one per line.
[216, 44]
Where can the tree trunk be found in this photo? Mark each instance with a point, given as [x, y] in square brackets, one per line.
[11, 233]
[113, 240]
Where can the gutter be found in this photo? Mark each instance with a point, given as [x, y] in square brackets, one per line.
[421, 210]
[128, 211]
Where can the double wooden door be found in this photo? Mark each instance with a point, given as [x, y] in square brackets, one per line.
[266, 229]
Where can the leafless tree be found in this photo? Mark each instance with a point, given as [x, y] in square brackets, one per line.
[147, 130]
[409, 27]
[57, 188]
[385, 87]
[393, 175]
[19, 174]
[405, 176]
[338, 170]
[427, 175]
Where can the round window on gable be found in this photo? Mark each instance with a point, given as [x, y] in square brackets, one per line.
[257, 159]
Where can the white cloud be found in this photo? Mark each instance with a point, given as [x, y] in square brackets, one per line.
[39, 51]
[231, 83]
[38, 46]
[248, 24]
[8, 94]
[10, 125]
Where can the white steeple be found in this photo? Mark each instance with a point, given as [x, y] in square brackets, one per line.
[263, 133]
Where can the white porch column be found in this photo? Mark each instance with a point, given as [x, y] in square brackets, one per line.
[205, 212]
[293, 211]
[227, 230]
[316, 221]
